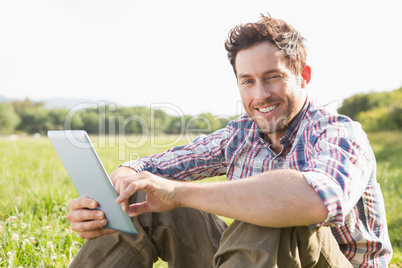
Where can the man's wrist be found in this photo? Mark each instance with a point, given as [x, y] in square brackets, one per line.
[127, 167]
[185, 193]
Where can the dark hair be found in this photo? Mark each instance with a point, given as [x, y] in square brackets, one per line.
[278, 32]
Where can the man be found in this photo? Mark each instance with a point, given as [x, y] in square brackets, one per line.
[301, 181]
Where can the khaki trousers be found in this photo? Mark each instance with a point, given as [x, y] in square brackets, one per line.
[187, 237]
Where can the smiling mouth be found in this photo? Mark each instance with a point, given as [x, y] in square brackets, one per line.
[267, 109]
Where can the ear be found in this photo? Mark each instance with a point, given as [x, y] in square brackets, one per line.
[306, 76]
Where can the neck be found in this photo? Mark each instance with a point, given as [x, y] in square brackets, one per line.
[275, 140]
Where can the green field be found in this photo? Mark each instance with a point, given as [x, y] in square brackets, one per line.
[35, 191]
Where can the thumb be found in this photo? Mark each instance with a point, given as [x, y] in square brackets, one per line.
[138, 209]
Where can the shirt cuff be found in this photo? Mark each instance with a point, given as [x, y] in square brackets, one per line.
[328, 190]
[135, 165]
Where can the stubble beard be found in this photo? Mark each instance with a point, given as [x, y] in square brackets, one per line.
[276, 125]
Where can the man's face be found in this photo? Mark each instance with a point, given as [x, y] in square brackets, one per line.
[272, 95]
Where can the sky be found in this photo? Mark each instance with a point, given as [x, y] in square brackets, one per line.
[170, 53]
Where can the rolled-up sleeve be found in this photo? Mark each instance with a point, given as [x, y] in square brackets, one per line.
[202, 158]
[338, 168]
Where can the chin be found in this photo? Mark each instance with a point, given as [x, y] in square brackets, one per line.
[267, 130]
[272, 129]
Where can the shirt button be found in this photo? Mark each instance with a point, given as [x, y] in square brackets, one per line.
[275, 161]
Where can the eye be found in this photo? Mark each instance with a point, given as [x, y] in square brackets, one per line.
[247, 81]
[275, 77]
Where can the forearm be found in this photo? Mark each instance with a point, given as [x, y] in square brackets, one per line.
[274, 199]
[197, 160]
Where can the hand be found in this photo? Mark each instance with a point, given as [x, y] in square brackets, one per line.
[120, 174]
[86, 222]
[161, 193]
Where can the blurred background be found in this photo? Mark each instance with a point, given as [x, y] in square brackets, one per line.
[134, 53]
[159, 67]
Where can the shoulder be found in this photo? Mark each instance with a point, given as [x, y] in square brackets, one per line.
[329, 135]
[235, 128]
[321, 122]
[242, 122]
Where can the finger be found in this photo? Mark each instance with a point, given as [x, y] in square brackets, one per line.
[86, 226]
[85, 215]
[122, 171]
[129, 186]
[140, 184]
[125, 205]
[96, 233]
[126, 191]
[138, 209]
[117, 186]
[82, 202]
[118, 183]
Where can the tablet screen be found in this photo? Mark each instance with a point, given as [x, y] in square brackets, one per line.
[89, 176]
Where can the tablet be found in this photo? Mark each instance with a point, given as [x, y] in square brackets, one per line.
[89, 176]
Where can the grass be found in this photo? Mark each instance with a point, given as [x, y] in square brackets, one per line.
[387, 147]
[35, 192]
[34, 196]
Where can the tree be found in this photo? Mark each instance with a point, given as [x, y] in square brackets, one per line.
[35, 119]
[160, 121]
[354, 105]
[9, 119]
[90, 120]
[376, 111]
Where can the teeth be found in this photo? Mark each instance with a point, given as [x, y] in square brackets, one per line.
[267, 109]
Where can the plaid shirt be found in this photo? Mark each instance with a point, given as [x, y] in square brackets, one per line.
[330, 150]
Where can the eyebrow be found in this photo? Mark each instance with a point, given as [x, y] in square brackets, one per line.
[276, 70]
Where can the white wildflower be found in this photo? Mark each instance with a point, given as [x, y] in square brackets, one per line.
[12, 219]
[32, 239]
[10, 254]
[50, 244]
[15, 237]
[24, 225]
[1, 229]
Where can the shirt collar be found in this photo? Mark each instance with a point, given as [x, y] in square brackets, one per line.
[291, 132]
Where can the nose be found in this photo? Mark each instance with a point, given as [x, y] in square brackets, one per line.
[261, 91]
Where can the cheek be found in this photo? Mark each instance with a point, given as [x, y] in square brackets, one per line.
[245, 96]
